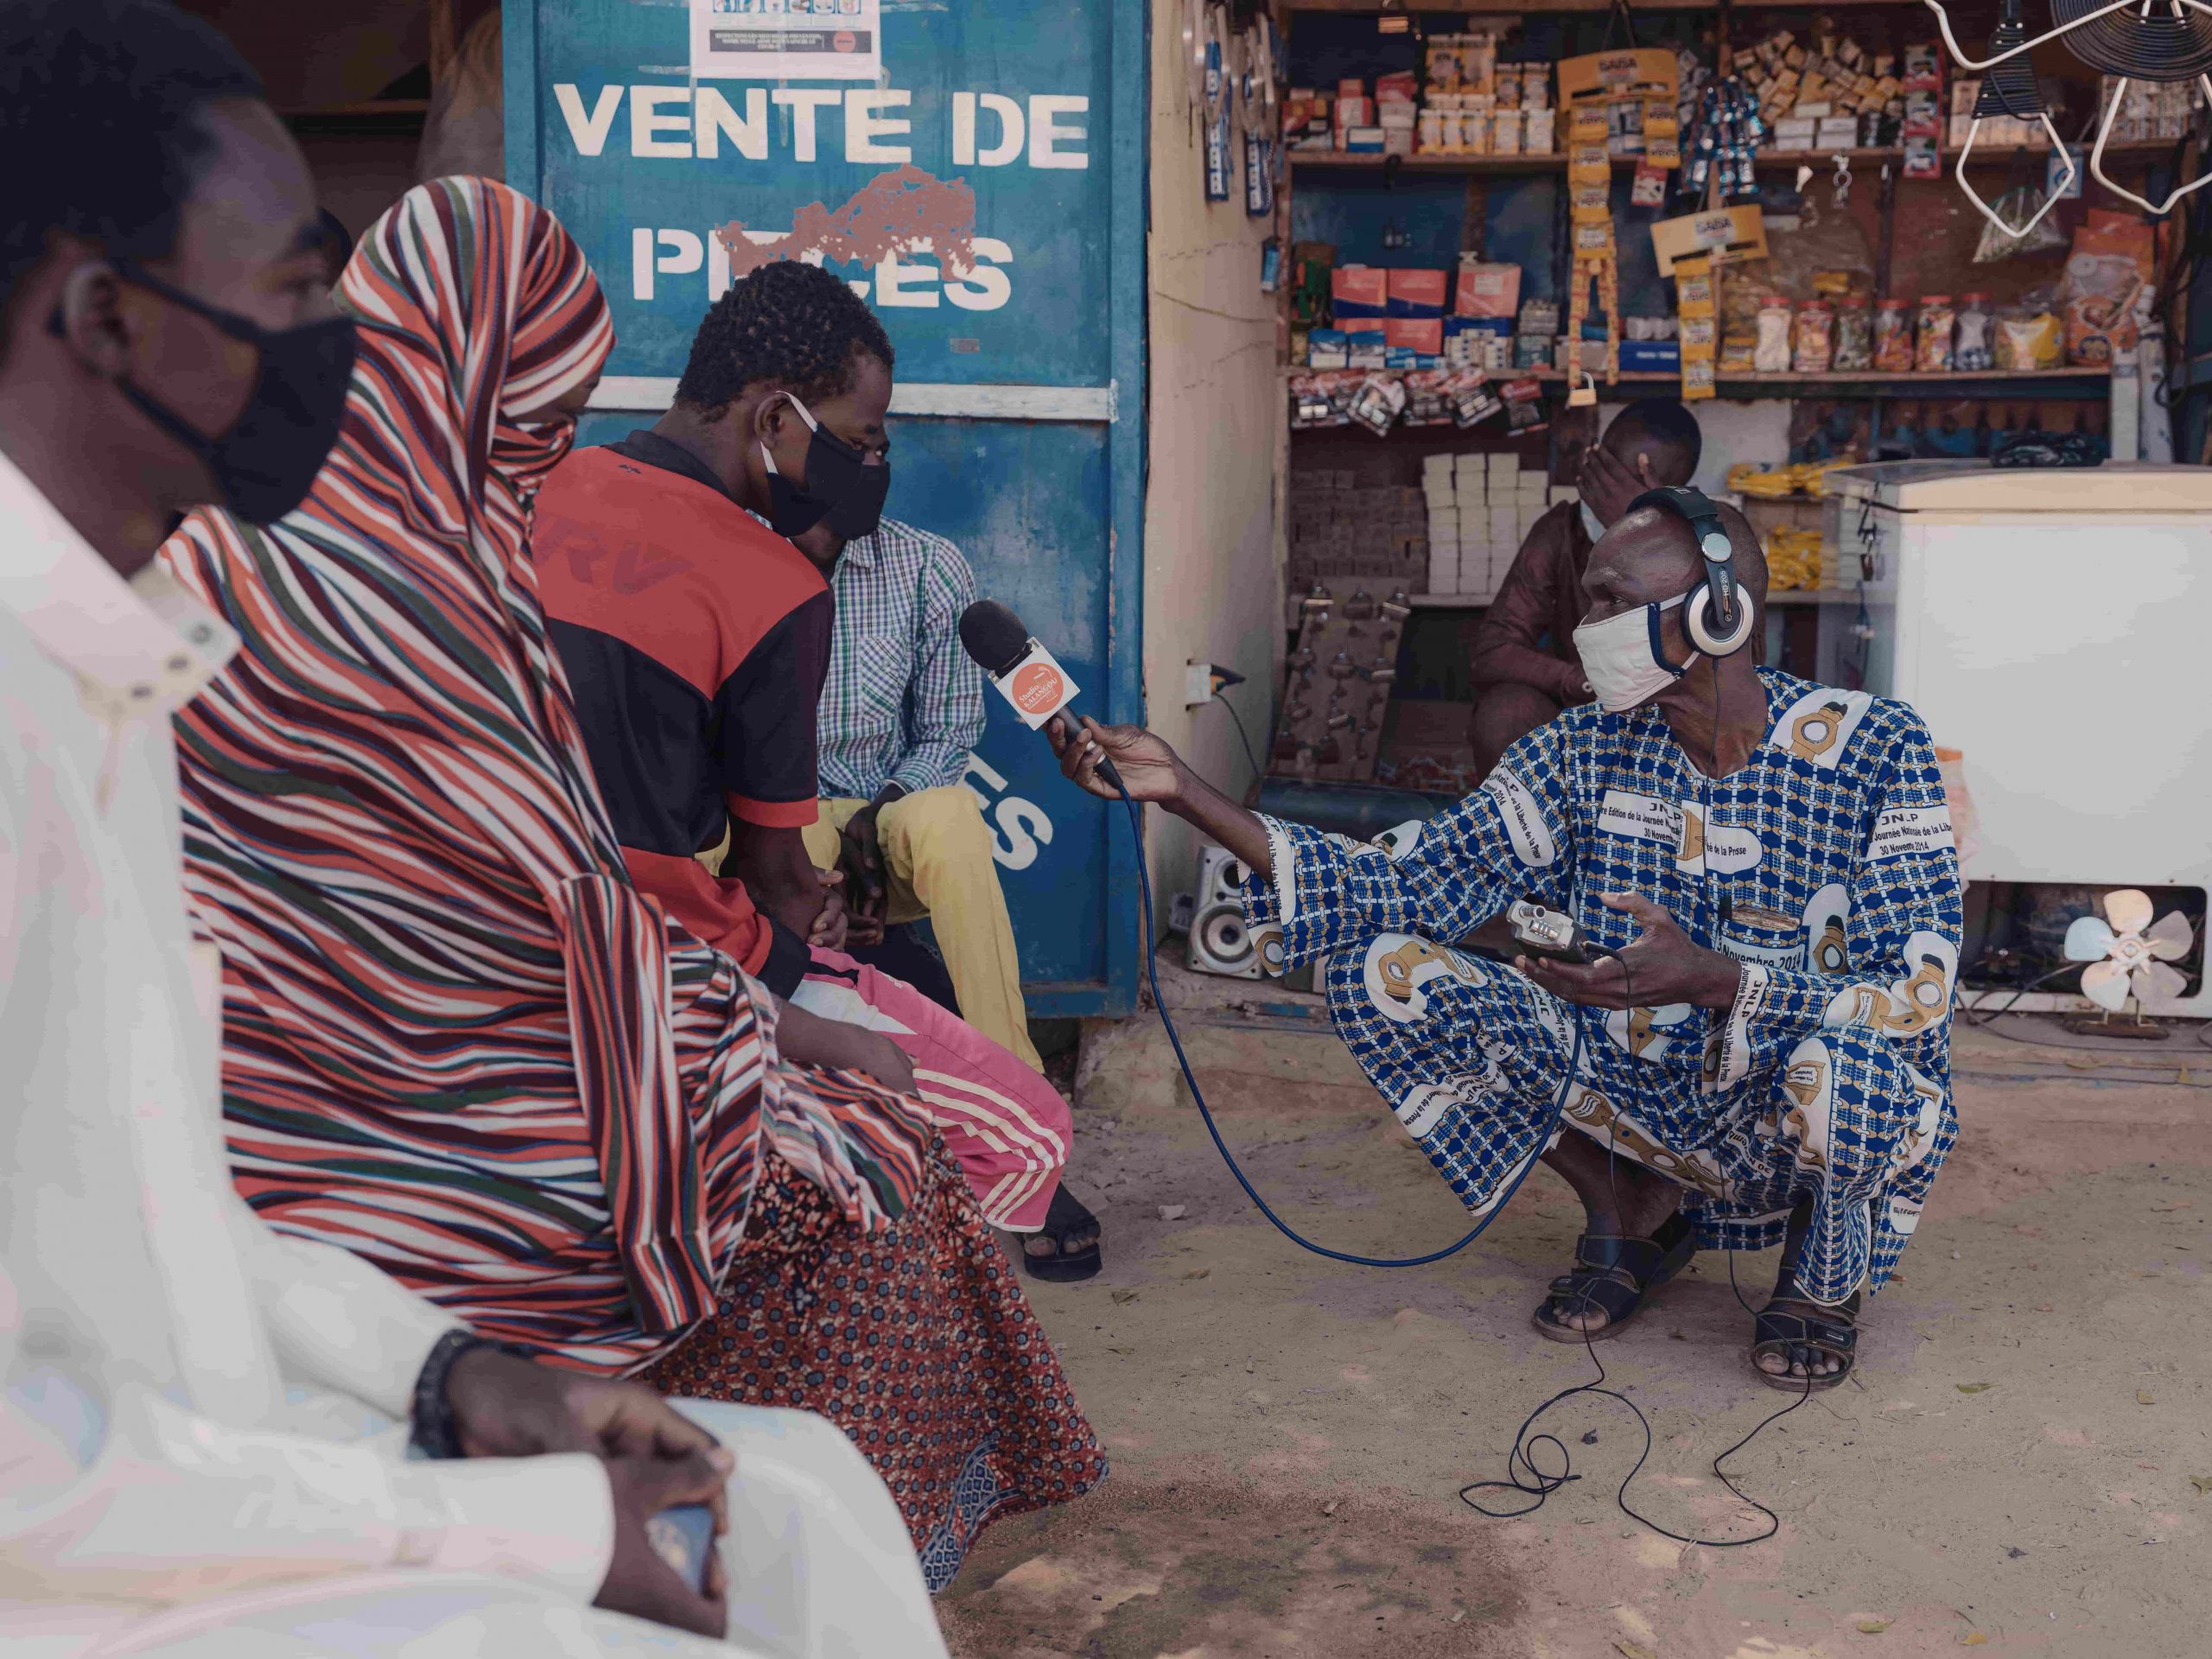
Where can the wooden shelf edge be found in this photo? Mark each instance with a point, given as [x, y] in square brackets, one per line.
[1893, 384]
[1350, 161]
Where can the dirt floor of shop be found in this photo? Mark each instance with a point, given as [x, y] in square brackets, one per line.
[2022, 1465]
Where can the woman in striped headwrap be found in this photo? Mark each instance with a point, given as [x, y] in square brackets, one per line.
[456, 1039]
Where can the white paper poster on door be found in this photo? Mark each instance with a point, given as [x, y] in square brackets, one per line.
[786, 40]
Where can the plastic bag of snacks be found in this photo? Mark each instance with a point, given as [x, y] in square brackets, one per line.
[1799, 478]
[1973, 349]
[1814, 346]
[2028, 338]
[1854, 334]
[1793, 559]
[1893, 336]
[1772, 354]
[1931, 352]
[2105, 276]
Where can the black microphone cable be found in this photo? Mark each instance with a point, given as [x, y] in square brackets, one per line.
[1537, 1483]
[1206, 1112]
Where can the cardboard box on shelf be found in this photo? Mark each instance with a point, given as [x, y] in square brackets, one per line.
[1486, 290]
[1359, 291]
[1416, 293]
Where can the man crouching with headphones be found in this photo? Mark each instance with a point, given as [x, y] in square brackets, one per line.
[1760, 879]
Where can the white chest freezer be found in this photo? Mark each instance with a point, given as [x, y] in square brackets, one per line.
[2056, 627]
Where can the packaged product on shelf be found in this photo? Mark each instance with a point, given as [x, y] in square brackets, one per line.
[1535, 85]
[1524, 405]
[1972, 348]
[1378, 402]
[1410, 292]
[1854, 333]
[1922, 159]
[1932, 334]
[1366, 346]
[1359, 291]
[1893, 336]
[1541, 136]
[1814, 346]
[1365, 141]
[1472, 400]
[1793, 559]
[1421, 335]
[2106, 275]
[1505, 133]
[1538, 317]
[1923, 66]
[1486, 290]
[1427, 403]
[1773, 356]
[1322, 399]
[1326, 348]
[2028, 339]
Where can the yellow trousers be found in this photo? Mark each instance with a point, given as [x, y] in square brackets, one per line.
[937, 855]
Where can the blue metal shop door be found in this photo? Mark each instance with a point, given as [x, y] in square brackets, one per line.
[978, 173]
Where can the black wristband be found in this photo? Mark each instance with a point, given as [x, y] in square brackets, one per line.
[434, 1433]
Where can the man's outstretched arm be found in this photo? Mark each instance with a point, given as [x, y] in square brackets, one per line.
[1442, 879]
[1151, 770]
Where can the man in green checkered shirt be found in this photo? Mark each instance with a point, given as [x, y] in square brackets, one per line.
[902, 707]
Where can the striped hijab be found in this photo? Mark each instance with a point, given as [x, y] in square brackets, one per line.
[457, 1039]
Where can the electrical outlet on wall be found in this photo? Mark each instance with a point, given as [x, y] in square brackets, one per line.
[1197, 689]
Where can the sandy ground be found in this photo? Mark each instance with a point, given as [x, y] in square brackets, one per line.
[2024, 1466]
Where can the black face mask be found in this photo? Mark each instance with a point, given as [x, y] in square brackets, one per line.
[266, 462]
[840, 486]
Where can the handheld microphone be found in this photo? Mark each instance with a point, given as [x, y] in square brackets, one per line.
[1026, 675]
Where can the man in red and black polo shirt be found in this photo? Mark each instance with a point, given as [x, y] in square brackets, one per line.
[697, 640]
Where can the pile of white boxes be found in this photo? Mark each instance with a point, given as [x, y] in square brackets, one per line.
[1481, 507]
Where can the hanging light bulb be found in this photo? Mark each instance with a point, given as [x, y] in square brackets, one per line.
[2129, 40]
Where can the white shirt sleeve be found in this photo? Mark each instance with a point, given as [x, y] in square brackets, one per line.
[336, 1321]
[177, 1507]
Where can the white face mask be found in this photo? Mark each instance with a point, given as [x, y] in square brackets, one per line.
[1624, 658]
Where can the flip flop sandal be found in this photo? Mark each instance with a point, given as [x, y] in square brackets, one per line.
[1614, 1275]
[1830, 1332]
[1065, 1217]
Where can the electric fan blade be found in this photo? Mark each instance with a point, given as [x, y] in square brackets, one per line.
[2155, 979]
[2128, 910]
[2105, 983]
[2154, 39]
[2089, 939]
[2171, 937]
[2066, 27]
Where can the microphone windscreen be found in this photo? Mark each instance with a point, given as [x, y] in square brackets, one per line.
[994, 636]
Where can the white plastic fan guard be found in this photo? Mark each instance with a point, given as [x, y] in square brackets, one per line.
[2104, 125]
[2127, 955]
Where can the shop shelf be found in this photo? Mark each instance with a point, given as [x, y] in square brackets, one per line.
[1344, 160]
[1989, 383]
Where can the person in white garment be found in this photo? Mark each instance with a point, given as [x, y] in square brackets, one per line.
[205, 1428]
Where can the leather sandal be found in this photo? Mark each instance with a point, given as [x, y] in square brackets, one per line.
[1065, 1217]
[1614, 1275]
[1800, 1333]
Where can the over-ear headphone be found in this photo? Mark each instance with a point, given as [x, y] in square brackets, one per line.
[1716, 615]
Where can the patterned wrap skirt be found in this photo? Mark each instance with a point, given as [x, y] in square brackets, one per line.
[916, 1341]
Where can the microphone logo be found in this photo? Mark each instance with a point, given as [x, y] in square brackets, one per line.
[1039, 689]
